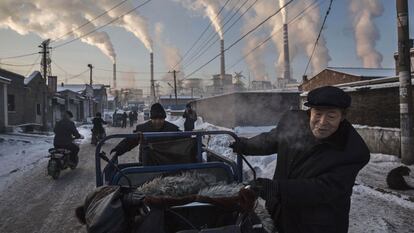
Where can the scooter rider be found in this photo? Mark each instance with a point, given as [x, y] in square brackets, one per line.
[65, 132]
[98, 123]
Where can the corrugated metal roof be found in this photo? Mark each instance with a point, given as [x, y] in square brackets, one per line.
[5, 79]
[365, 72]
[72, 87]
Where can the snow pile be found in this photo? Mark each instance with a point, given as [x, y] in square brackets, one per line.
[21, 153]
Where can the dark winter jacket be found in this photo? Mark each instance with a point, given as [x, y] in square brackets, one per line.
[65, 131]
[129, 144]
[314, 178]
[98, 124]
[190, 118]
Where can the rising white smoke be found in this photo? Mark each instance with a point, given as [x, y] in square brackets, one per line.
[209, 8]
[302, 35]
[51, 19]
[171, 56]
[255, 60]
[366, 32]
[132, 22]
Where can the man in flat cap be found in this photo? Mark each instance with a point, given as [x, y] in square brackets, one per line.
[157, 123]
[319, 155]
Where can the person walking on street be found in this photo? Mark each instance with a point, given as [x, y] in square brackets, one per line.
[190, 118]
[319, 155]
[131, 119]
[124, 119]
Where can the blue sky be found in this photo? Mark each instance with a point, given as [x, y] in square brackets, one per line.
[182, 28]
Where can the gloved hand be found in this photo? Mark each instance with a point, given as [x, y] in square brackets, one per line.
[237, 146]
[265, 188]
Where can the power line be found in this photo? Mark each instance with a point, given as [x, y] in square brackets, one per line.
[202, 48]
[211, 36]
[319, 35]
[241, 38]
[201, 53]
[18, 56]
[89, 21]
[8, 64]
[199, 38]
[132, 72]
[312, 5]
[31, 68]
[110, 22]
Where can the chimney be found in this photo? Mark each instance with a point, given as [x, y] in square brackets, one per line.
[286, 72]
[52, 84]
[222, 64]
[114, 76]
[152, 91]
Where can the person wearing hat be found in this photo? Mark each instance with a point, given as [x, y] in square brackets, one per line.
[157, 123]
[319, 154]
[65, 132]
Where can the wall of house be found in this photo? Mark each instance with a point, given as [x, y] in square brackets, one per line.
[34, 96]
[326, 78]
[246, 108]
[3, 106]
[18, 90]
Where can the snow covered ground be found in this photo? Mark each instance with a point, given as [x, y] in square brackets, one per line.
[21, 152]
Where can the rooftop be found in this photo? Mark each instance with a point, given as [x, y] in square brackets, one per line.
[72, 87]
[31, 77]
[364, 72]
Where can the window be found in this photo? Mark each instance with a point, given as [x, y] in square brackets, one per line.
[11, 105]
[38, 111]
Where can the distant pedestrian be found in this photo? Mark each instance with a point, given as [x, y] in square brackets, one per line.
[135, 116]
[114, 119]
[131, 119]
[190, 118]
[124, 119]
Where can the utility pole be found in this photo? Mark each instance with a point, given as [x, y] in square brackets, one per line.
[44, 65]
[406, 107]
[175, 84]
[90, 74]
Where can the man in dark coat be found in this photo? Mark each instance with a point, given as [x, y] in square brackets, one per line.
[157, 123]
[190, 118]
[65, 132]
[124, 119]
[131, 119]
[319, 155]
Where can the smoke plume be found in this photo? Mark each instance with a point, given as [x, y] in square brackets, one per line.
[255, 60]
[302, 35]
[132, 22]
[51, 19]
[209, 8]
[366, 32]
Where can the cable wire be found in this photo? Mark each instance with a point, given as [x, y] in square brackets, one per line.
[110, 22]
[19, 56]
[319, 35]
[89, 21]
[309, 7]
[241, 38]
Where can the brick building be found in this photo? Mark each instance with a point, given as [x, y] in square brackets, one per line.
[24, 98]
[338, 75]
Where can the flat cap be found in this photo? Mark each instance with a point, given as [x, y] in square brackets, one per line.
[328, 96]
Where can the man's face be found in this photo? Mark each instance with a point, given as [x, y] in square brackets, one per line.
[157, 123]
[324, 121]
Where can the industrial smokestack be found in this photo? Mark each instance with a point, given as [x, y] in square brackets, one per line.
[114, 76]
[286, 72]
[152, 91]
[222, 64]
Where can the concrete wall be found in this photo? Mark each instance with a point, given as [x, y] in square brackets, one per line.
[246, 108]
[381, 140]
